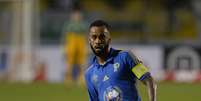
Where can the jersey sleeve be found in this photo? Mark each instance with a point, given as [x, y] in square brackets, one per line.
[136, 66]
[93, 95]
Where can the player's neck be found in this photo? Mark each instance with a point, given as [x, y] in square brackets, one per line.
[103, 58]
[101, 61]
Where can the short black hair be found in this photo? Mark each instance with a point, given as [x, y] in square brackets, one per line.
[100, 23]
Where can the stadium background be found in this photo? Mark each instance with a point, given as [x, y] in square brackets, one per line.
[164, 33]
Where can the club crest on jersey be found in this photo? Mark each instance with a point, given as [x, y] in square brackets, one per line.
[116, 66]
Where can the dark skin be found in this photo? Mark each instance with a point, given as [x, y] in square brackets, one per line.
[99, 40]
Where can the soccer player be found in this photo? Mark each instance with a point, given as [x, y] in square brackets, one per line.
[112, 73]
[75, 47]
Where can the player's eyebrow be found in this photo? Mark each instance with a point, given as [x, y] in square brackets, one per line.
[107, 34]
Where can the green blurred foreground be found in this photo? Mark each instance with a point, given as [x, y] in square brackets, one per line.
[61, 92]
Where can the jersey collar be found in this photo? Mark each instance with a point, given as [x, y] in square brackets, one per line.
[108, 59]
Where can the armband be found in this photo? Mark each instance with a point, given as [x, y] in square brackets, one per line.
[139, 70]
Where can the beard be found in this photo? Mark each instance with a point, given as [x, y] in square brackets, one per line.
[101, 52]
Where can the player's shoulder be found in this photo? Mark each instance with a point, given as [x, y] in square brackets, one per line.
[89, 70]
[124, 53]
[128, 54]
[90, 66]
[118, 52]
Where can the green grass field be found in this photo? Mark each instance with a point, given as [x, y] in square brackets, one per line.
[61, 92]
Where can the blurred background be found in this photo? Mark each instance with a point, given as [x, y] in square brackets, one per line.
[38, 39]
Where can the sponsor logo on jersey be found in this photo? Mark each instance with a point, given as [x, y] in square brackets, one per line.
[105, 78]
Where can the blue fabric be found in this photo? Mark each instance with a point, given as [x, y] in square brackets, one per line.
[3, 61]
[114, 80]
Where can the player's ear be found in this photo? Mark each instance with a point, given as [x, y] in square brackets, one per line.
[88, 39]
[109, 40]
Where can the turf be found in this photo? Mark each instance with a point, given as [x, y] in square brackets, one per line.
[61, 92]
[175, 92]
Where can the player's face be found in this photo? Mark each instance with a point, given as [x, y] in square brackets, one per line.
[99, 40]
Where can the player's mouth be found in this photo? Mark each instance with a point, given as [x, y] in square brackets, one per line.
[98, 47]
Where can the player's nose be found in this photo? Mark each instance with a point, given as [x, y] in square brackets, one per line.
[97, 41]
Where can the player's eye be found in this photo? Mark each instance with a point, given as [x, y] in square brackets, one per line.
[93, 37]
[102, 37]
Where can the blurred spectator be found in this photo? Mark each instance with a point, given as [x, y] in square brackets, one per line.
[3, 64]
[3, 60]
[75, 46]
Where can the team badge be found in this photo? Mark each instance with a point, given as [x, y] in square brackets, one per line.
[116, 66]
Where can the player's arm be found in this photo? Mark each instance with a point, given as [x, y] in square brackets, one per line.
[151, 87]
[143, 74]
[93, 96]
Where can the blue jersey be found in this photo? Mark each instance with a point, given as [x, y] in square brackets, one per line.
[115, 80]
